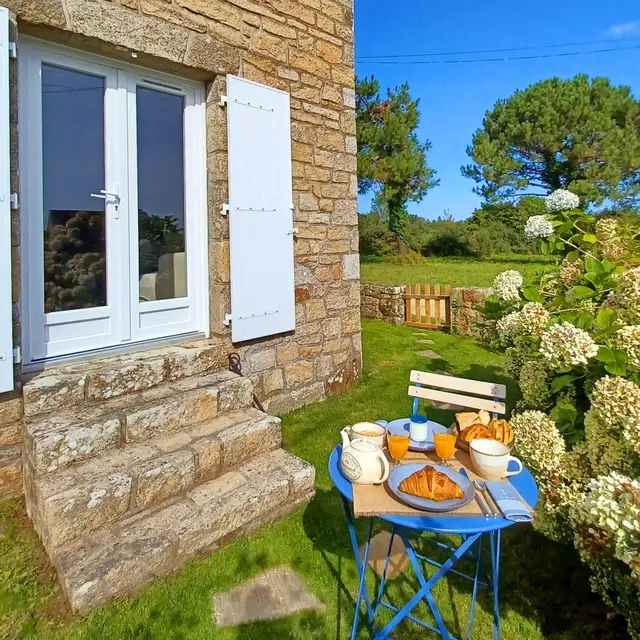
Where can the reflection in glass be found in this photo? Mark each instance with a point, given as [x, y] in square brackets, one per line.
[160, 146]
[73, 168]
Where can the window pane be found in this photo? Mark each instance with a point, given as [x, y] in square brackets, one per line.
[73, 168]
[162, 260]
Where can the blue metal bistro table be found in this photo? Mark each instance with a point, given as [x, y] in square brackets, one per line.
[474, 530]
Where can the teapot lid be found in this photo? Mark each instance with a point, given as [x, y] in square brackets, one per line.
[366, 446]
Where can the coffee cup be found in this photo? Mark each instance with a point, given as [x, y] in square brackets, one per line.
[368, 431]
[419, 428]
[491, 459]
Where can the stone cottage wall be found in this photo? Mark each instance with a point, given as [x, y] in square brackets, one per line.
[304, 47]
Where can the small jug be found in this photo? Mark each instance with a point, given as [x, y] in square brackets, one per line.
[361, 461]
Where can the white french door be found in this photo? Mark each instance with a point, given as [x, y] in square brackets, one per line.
[113, 205]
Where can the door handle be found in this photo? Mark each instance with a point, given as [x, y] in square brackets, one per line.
[109, 194]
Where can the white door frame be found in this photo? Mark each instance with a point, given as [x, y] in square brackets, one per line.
[122, 265]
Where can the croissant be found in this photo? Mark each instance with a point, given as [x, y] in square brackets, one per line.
[466, 419]
[502, 431]
[432, 484]
[476, 431]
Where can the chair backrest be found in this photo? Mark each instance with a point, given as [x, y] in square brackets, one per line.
[485, 395]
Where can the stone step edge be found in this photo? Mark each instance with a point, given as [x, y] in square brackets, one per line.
[120, 560]
[62, 387]
[54, 442]
[104, 490]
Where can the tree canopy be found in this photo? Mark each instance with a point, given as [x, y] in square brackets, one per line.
[391, 159]
[578, 134]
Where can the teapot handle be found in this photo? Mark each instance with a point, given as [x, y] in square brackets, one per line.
[385, 467]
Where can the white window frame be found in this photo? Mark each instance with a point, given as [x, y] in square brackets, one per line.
[195, 207]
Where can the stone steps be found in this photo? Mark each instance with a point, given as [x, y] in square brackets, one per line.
[122, 482]
[121, 558]
[67, 437]
[75, 385]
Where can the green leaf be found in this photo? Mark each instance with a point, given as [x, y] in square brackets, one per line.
[584, 320]
[606, 318]
[532, 294]
[582, 293]
[560, 382]
[572, 256]
[615, 361]
[590, 238]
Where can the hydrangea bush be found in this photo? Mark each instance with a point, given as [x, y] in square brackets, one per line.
[572, 340]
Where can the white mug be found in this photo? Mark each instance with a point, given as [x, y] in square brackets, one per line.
[368, 431]
[491, 459]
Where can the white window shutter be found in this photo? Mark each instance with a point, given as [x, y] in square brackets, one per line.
[6, 316]
[260, 210]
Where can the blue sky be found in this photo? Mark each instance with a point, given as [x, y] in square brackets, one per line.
[454, 97]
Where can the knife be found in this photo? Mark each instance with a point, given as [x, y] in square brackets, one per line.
[479, 498]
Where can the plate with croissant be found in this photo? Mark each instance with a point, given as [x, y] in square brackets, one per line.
[430, 487]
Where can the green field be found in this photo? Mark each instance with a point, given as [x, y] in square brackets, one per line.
[544, 588]
[458, 272]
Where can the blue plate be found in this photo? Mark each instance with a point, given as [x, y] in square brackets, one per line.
[405, 470]
[402, 426]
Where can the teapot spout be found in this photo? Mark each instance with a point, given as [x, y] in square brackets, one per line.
[345, 437]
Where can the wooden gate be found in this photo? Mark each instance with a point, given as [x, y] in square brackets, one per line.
[425, 309]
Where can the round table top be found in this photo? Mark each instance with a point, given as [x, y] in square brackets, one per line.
[439, 523]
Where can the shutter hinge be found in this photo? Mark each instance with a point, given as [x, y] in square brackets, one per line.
[13, 50]
[13, 199]
[223, 101]
[224, 209]
[17, 355]
[227, 319]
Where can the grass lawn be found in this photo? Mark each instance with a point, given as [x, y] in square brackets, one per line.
[458, 272]
[545, 592]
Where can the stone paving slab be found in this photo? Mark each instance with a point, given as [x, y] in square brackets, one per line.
[426, 341]
[432, 355]
[276, 593]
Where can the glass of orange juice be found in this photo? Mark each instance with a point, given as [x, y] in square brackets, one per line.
[398, 445]
[445, 444]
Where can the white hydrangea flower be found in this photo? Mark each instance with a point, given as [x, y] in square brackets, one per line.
[628, 340]
[616, 403]
[561, 200]
[538, 227]
[507, 285]
[538, 441]
[611, 242]
[509, 327]
[566, 346]
[612, 504]
[570, 272]
[534, 383]
[628, 294]
[534, 318]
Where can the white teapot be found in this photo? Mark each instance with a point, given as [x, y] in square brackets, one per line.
[361, 461]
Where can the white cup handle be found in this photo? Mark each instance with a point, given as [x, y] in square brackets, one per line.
[513, 473]
[385, 467]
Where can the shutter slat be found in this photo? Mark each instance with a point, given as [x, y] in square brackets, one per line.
[6, 315]
[260, 216]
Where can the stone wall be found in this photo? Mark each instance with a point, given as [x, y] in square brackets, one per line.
[385, 302]
[382, 302]
[463, 314]
[304, 47]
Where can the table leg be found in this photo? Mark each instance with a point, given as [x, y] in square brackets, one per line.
[426, 585]
[474, 594]
[384, 573]
[495, 580]
[361, 565]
